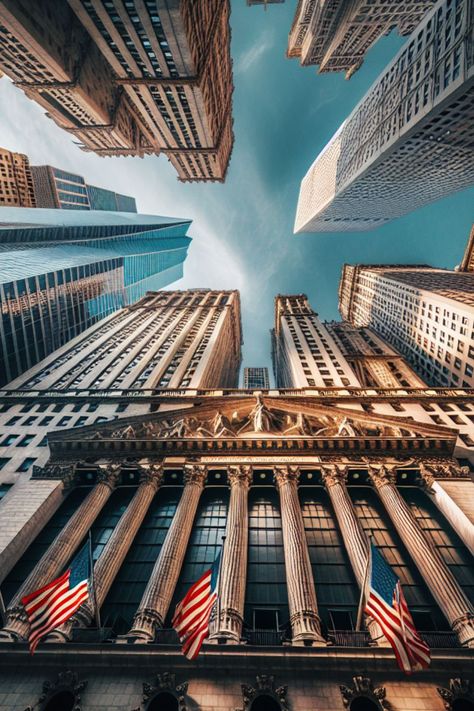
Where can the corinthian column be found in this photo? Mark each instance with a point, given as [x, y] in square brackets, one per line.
[157, 597]
[355, 541]
[113, 555]
[234, 557]
[441, 582]
[60, 551]
[304, 618]
[441, 499]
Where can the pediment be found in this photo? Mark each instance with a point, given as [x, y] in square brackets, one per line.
[237, 420]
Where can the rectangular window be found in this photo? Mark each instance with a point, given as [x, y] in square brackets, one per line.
[26, 440]
[30, 421]
[4, 489]
[64, 420]
[13, 420]
[26, 464]
[9, 439]
[46, 421]
[4, 461]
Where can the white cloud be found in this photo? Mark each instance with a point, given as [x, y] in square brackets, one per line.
[253, 54]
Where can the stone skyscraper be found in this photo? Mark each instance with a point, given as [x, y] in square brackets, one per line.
[424, 312]
[129, 78]
[63, 270]
[16, 181]
[336, 34]
[295, 479]
[409, 140]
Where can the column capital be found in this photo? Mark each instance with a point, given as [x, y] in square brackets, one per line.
[286, 475]
[110, 474]
[427, 476]
[239, 475]
[382, 474]
[195, 474]
[151, 474]
[64, 471]
[332, 474]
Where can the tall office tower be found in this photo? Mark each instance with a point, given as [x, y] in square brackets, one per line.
[336, 34]
[131, 78]
[68, 191]
[116, 368]
[289, 486]
[256, 379]
[62, 271]
[427, 314]
[409, 140]
[16, 182]
[264, 2]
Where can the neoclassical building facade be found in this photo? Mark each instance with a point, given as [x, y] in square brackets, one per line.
[289, 483]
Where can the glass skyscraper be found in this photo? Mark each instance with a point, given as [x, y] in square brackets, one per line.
[62, 271]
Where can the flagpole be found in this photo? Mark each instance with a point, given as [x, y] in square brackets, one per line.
[94, 598]
[2, 609]
[363, 590]
[219, 607]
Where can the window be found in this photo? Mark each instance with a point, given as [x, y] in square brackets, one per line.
[64, 420]
[4, 489]
[26, 440]
[46, 421]
[9, 439]
[13, 420]
[31, 421]
[44, 442]
[80, 421]
[4, 461]
[26, 464]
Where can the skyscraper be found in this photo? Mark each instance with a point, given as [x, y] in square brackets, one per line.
[16, 182]
[427, 314]
[63, 270]
[409, 140]
[256, 379]
[288, 485]
[336, 34]
[130, 78]
[116, 368]
[62, 189]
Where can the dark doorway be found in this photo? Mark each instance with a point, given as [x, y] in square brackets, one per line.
[163, 702]
[265, 619]
[361, 703]
[63, 701]
[265, 703]
[463, 705]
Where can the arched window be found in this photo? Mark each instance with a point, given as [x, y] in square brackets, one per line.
[462, 705]
[362, 703]
[264, 702]
[163, 701]
[62, 701]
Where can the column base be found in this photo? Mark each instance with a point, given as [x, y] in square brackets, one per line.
[16, 627]
[306, 630]
[144, 628]
[308, 640]
[464, 628]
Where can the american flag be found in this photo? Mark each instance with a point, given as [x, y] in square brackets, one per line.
[193, 613]
[386, 603]
[52, 605]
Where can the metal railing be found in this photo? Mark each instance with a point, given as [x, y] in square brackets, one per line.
[264, 638]
[349, 638]
[440, 640]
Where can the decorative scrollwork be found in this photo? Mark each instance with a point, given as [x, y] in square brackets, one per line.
[362, 687]
[265, 686]
[66, 681]
[164, 683]
[458, 689]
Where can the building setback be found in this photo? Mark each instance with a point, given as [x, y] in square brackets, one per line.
[336, 34]
[132, 78]
[409, 140]
[16, 182]
[57, 188]
[288, 484]
[427, 314]
[63, 270]
[256, 379]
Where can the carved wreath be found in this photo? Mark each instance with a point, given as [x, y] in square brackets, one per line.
[165, 682]
[363, 687]
[265, 686]
[458, 689]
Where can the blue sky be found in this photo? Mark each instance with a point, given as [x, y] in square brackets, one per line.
[284, 114]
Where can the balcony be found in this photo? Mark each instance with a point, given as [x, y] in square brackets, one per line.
[348, 638]
[440, 640]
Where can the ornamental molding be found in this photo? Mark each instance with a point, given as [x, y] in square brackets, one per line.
[265, 686]
[362, 687]
[260, 423]
[461, 689]
[65, 681]
[61, 471]
[164, 683]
